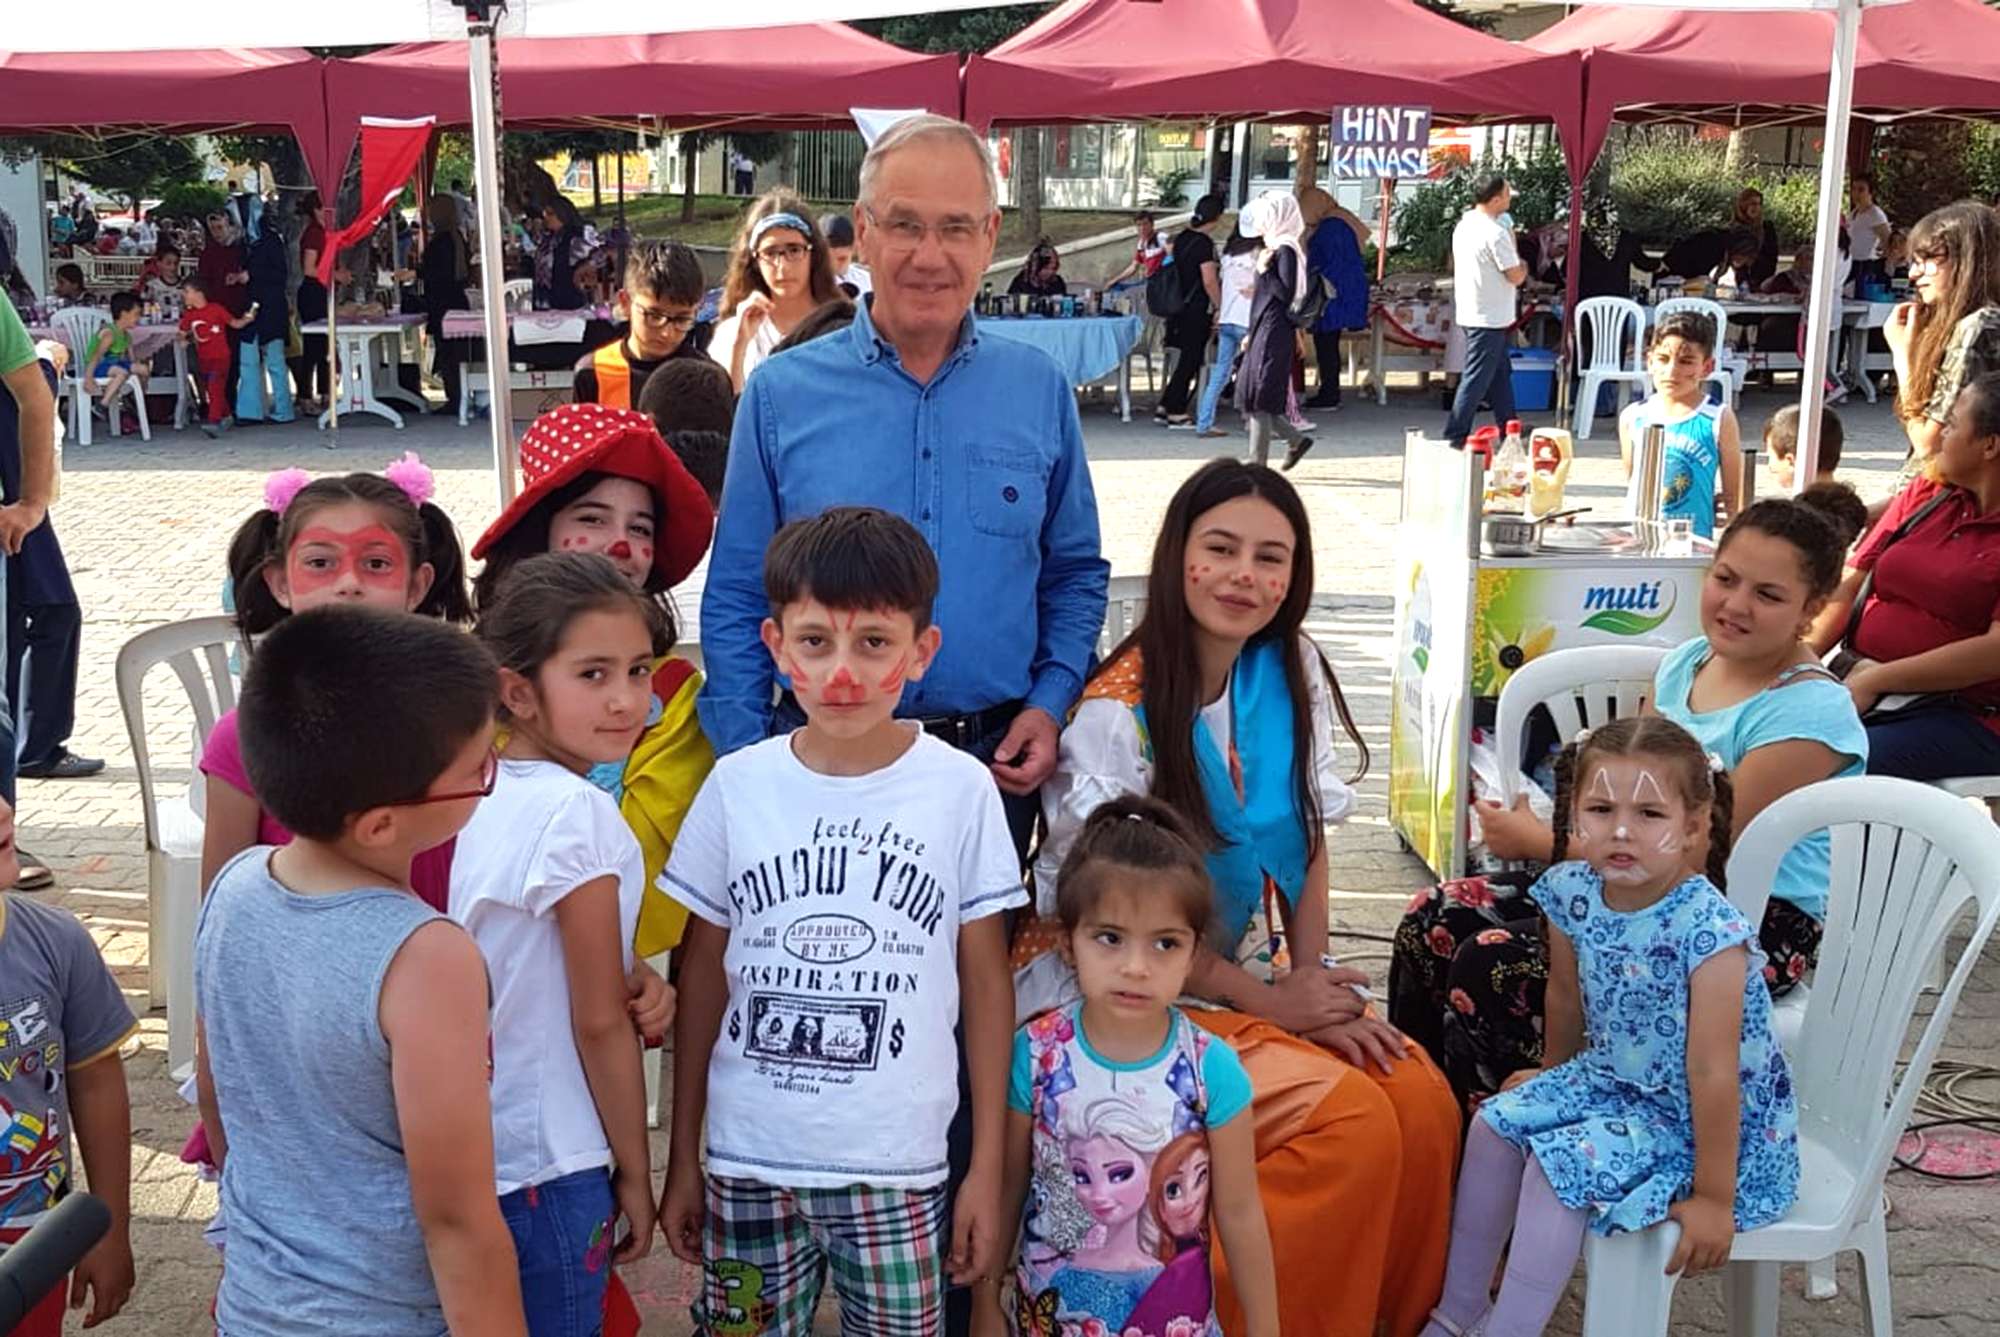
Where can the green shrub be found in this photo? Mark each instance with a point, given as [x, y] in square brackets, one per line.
[1791, 202]
[1662, 189]
[191, 199]
[1426, 216]
[1170, 188]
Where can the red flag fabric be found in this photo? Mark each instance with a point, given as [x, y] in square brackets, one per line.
[390, 151]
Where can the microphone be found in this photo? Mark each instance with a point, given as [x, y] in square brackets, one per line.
[43, 1257]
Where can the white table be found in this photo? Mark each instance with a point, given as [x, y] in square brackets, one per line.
[524, 329]
[366, 347]
[1850, 361]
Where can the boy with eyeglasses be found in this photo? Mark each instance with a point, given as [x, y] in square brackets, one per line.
[658, 298]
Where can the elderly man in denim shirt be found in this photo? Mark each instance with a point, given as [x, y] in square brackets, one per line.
[974, 441]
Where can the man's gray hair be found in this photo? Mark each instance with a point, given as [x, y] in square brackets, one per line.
[928, 126]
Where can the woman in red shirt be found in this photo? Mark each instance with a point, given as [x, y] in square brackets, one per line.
[1929, 619]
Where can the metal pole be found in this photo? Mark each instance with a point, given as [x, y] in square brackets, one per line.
[1823, 317]
[492, 276]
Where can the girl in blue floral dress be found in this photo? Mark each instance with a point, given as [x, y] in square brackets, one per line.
[1663, 1093]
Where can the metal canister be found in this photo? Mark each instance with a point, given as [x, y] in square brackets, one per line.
[1649, 467]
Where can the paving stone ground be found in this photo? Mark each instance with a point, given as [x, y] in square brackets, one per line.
[145, 527]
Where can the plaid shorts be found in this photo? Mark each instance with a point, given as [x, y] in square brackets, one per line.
[768, 1251]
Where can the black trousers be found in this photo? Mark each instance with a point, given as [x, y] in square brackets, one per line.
[43, 644]
[1326, 351]
[1187, 332]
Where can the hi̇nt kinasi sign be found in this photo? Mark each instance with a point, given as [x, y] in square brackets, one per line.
[1374, 142]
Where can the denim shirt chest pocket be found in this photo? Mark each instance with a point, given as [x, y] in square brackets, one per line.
[1007, 490]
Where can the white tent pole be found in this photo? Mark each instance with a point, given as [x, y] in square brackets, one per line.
[1823, 316]
[492, 274]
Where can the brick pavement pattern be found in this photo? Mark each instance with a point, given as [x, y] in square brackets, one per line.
[145, 528]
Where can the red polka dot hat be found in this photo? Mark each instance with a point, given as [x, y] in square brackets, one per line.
[574, 439]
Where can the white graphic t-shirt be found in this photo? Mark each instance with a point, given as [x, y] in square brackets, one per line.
[843, 897]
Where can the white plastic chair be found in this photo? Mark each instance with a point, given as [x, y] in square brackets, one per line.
[78, 326]
[1582, 687]
[517, 294]
[1908, 863]
[198, 651]
[1617, 324]
[1124, 605]
[1730, 366]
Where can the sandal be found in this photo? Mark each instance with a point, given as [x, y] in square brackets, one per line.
[1451, 1329]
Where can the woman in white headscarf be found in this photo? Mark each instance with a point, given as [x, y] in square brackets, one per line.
[1266, 375]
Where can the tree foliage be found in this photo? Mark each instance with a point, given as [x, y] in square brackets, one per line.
[1483, 20]
[281, 152]
[129, 164]
[963, 31]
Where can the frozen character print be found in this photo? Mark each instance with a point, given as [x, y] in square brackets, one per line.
[1110, 1145]
[1178, 1202]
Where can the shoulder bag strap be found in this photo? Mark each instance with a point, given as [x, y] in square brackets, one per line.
[1868, 577]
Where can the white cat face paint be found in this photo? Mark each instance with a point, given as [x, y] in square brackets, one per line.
[1632, 828]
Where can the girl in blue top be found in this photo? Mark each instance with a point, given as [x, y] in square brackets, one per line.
[1703, 441]
[1467, 975]
[1662, 1093]
[1128, 1131]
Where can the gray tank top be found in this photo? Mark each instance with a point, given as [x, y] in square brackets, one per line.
[323, 1238]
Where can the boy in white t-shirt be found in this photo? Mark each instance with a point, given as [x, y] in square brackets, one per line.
[845, 883]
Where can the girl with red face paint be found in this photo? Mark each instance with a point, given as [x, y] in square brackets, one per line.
[597, 479]
[374, 539]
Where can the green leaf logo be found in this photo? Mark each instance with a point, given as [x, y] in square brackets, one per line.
[1422, 657]
[1625, 622]
[1619, 622]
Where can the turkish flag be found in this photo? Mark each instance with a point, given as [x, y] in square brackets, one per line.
[390, 151]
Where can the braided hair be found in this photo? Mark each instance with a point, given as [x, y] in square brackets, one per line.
[1660, 738]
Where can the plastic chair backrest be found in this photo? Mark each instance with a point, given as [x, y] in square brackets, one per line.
[198, 652]
[1908, 862]
[514, 293]
[1582, 687]
[78, 325]
[1124, 605]
[1614, 323]
[1701, 306]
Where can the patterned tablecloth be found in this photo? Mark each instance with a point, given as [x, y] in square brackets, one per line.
[528, 327]
[146, 339]
[1426, 322]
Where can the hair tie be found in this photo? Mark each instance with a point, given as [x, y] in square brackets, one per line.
[1582, 737]
[1135, 817]
[780, 219]
[1715, 765]
[282, 486]
[413, 476]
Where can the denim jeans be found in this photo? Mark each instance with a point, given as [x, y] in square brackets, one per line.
[258, 361]
[1228, 338]
[1489, 376]
[1941, 742]
[562, 1241]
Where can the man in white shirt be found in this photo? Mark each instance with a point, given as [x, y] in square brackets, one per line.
[1485, 271]
[1867, 229]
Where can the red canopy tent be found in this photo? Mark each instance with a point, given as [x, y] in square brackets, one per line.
[1926, 57]
[227, 88]
[800, 75]
[1100, 60]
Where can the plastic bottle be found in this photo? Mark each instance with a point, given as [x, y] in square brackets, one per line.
[1510, 469]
